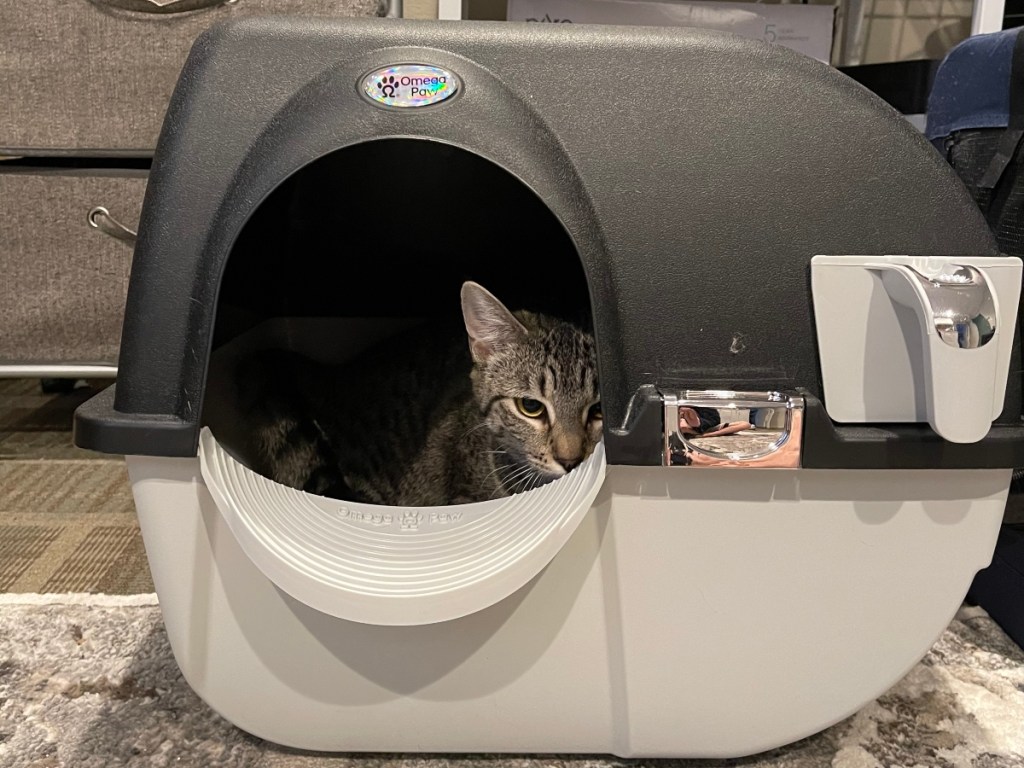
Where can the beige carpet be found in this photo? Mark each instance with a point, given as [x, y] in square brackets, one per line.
[67, 519]
[89, 682]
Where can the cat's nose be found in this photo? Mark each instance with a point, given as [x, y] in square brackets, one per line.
[570, 464]
[567, 448]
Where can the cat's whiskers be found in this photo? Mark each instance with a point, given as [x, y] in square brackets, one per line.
[507, 482]
[526, 484]
[494, 471]
[499, 485]
[471, 430]
[524, 476]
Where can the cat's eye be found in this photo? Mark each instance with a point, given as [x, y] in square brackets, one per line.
[529, 407]
[595, 413]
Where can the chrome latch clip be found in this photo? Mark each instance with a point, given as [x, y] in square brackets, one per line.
[723, 428]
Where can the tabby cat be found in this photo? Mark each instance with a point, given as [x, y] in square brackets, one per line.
[427, 418]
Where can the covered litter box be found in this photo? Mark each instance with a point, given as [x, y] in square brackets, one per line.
[750, 232]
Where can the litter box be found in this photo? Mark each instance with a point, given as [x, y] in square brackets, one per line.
[748, 230]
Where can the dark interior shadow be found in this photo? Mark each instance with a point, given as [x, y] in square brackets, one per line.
[355, 234]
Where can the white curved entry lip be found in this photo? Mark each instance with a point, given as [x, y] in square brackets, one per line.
[396, 566]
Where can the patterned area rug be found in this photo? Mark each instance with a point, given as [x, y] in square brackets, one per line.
[89, 681]
[67, 519]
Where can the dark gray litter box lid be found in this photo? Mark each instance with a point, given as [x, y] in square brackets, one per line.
[696, 173]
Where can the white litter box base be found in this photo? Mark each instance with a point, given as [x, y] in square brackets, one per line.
[693, 613]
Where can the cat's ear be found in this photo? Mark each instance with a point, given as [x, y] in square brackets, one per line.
[489, 324]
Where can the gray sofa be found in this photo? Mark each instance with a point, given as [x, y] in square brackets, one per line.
[84, 87]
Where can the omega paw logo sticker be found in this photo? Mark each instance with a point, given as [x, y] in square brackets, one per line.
[409, 85]
[388, 86]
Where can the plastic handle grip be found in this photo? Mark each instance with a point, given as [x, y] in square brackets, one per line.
[960, 383]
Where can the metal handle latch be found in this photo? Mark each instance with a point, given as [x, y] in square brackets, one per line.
[100, 218]
[958, 301]
[723, 428]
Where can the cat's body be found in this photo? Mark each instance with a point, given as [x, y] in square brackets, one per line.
[426, 419]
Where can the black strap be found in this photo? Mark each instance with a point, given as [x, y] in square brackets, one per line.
[1005, 152]
[1011, 139]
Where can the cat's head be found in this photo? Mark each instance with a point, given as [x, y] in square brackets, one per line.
[535, 380]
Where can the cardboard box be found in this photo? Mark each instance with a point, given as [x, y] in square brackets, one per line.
[804, 28]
